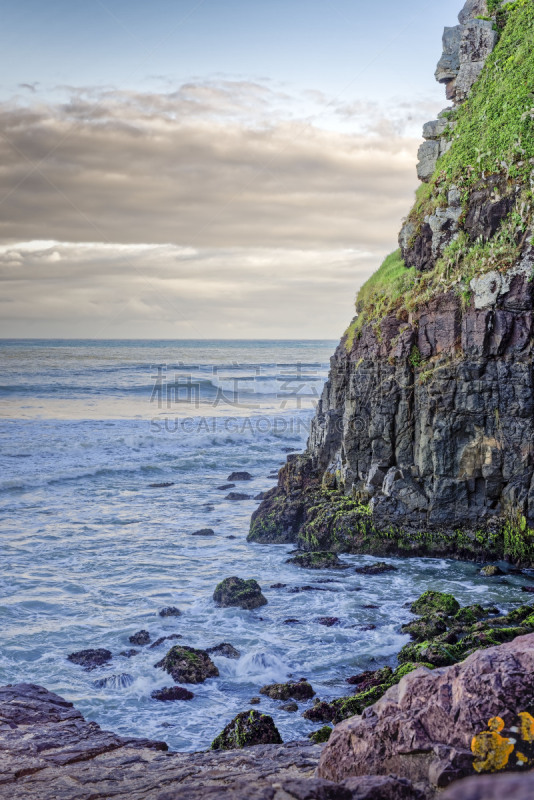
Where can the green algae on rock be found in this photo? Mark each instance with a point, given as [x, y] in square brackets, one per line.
[238, 592]
[299, 690]
[320, 559]
[245, 730]
[435, 603]
[322, 735]
[188, 665]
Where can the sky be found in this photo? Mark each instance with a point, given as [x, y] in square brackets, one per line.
[206, 168]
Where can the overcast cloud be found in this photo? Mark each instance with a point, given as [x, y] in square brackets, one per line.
[221, 209]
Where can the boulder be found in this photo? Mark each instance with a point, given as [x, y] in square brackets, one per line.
[225, 487]
[172, 693]
[491, 571]
[322, 735]
[300, 690]
[435, 603]
[237, 496]
[164, 639]
[204, 532]
[91, 659]
[239, 476]
[140, 638]
[290, 707]
[238, 592]
[328, 621]
[170, 611]
[430, 726]
[188, 665]
[320, 559]
[247, 729]
[224, 649]
[375, 569]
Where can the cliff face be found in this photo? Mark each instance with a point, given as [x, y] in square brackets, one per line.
[423, 440]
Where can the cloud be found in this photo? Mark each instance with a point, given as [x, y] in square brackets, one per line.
[218, 208]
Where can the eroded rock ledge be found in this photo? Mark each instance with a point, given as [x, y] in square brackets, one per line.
[409, 745]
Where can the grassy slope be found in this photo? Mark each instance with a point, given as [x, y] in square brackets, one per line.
[494, 134]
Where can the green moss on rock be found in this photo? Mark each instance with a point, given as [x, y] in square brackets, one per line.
[245, 730]
[188, 665]
[320, 559]
[435, 603]
[238, 592]
[300, 690]
[322, 735]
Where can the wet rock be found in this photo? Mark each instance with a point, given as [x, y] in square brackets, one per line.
[375, 569]
[90, 659]
[368, 627]
[170, 611]
[317, 560]
[435, 603]
[278, 586]
[260, 496]
[529, 589]
[188, 665]
[300, 690]
[231, 537]
[238, 592]
[366, 680]
[224, 649]
[240, 476]
[426, 627]
[226, 486]
[254, 701]
[140, 638]
[491, 570]
[291, 621]
[320, 712]
[289, 707]
[160, 485]
[297, 589]
[237, 496]
[247, 729]
[436, 713]
[204, 532]
[121, 681]
[370, 605]
[165, 639]
[129, 653]
[322, 735]
[328, 621]
[172, 693]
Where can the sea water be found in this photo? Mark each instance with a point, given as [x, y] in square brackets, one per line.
[91, 549]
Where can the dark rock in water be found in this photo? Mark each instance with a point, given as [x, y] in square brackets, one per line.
[375, 569]
[91, 659]
[322, 735]
[172, 693]
[369, 627]
[224, 649]
[204, 532]
[278, 586]
[328, 621]
[121, 681]
[239, 476]
[300, 690]
[231, 537]
[170, 611]
[260, 496]
[238, 592]
[164, 485]
[188, 665]
[165, 639]
[247, 729]
[129, 653]
[435, 603]
[444, 714]
[320, 712]
[225, 487]
[237, 496]
[529, 589]
[289, 450]
[320, 559]
[291, 621]
[297, 589]
[370, 605]
[140, 638]
[426, 627]
[366, 680]
[491, 570]
[254, 701]
[290, 707]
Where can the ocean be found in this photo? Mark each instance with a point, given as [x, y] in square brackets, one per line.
[91, 548]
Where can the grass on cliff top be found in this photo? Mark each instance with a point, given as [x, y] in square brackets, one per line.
[381, 292]
[495, 126]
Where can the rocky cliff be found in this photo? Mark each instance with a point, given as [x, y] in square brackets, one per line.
[423, 439]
